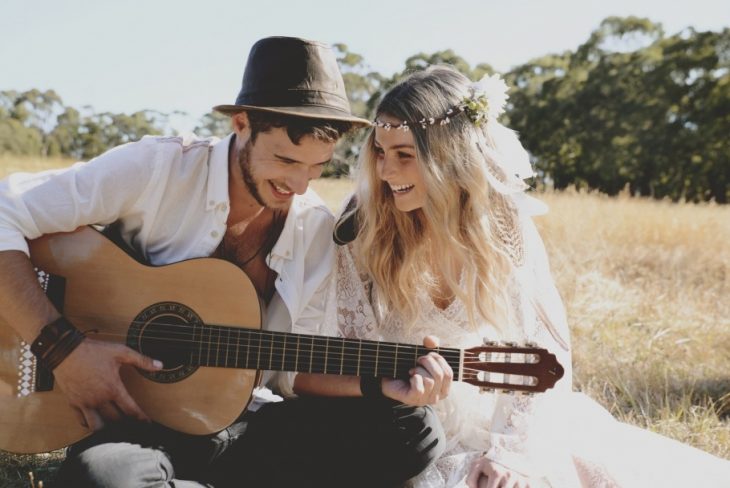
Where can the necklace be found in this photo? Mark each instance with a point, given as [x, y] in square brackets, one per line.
[231, 253]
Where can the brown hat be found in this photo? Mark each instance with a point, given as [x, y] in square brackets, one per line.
[295, 77]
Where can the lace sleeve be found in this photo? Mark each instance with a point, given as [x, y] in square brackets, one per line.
[522, 427]
[350, 313]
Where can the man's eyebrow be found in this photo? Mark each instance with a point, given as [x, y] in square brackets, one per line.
[294, 161]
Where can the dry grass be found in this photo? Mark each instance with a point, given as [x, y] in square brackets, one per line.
[646, 287]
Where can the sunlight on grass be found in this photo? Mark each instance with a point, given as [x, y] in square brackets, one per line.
[645, 284]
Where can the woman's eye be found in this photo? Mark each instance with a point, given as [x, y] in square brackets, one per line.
[404, 155]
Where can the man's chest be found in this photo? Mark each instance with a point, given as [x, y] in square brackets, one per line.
[248, 250]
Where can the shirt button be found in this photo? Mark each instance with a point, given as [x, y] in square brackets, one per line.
[214, 233]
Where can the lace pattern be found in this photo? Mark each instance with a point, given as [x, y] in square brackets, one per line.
[561, 439]
[496, 423]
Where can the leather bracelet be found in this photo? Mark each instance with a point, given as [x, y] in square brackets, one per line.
[55, 342]
[371, 386]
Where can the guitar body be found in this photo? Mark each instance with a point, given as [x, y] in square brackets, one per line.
[111, 297]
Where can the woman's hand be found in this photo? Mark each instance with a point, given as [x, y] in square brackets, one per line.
[486, 473]
[430, 381]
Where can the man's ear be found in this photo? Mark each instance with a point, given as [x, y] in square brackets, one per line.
[241, 126]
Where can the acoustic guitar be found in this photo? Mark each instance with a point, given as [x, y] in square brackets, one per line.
[202, 318]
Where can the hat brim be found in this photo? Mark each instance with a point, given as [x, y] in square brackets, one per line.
[310, 112]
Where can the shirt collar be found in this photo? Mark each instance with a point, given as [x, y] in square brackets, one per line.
[218, 174]
[284, 247]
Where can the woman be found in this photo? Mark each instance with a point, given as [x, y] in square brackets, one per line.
[441, 242]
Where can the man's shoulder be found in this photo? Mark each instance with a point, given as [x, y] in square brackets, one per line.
[184, 142]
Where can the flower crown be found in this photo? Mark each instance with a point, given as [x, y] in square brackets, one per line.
[486, 100]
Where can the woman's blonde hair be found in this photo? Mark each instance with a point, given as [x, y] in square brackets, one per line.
[470, 224]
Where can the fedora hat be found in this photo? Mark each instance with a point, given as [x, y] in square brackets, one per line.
[293, 76]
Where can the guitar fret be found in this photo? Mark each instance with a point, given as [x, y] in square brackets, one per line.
[218, 334]
[283, 354]
[395, 362]
[248, 348]
[238, 346]
[326, 352]
[342, 356]
[228, 346]
[359, 353]
[311, 353]
[296, 358]
[350, 357]
[207, 355]
[377, 358]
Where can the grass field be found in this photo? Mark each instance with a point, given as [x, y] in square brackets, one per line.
[646, 285]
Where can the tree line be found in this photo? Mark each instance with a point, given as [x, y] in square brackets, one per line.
[631, 107]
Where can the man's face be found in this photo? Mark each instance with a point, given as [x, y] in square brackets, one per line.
[274, 168]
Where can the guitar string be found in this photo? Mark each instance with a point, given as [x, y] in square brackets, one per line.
[187, 333]
[346, 347]
[318, 355]
[320, 362]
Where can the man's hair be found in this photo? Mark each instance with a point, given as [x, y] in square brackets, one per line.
[297, 127]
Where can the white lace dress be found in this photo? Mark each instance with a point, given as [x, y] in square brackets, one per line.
[563, 439]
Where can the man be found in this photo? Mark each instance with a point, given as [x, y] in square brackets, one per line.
[243, 199]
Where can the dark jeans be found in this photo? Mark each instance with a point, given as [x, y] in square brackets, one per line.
[305, 442]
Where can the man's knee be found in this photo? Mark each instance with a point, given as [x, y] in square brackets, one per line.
[119, 465]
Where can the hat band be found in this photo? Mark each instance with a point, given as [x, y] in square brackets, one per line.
[294, 98]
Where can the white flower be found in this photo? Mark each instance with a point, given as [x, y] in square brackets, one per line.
[495, 90]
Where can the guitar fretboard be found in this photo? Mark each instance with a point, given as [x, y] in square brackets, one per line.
[232, 347]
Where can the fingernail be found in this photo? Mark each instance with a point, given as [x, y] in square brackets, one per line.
[157, 364]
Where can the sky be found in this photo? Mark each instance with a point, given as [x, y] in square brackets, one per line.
[181, 55]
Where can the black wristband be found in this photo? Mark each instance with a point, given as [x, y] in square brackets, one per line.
[55, 342]
[371, 386]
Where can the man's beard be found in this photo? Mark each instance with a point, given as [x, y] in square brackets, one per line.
[244, 162]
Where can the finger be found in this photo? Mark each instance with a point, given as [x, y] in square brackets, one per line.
[483, 482]
[448, 375]
[128, 406]
[494, 481]
[474, 473]
[431, 364]
[130, 356]
[431, 342]
[92, 419]
[80, 417]
[109, 412]
[417, 385]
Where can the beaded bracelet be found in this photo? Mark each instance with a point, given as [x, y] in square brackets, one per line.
[371, 386]
[55, 342]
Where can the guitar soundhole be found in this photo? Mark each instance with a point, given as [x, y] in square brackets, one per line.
[166, 331]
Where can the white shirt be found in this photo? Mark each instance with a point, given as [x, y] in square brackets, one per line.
[170, 196]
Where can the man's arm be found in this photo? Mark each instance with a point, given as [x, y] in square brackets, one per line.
[95, 392]
[57, 201]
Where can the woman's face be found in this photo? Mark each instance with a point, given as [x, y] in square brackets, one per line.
[398, 167]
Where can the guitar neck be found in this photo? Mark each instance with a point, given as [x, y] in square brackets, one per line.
[232, 347]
